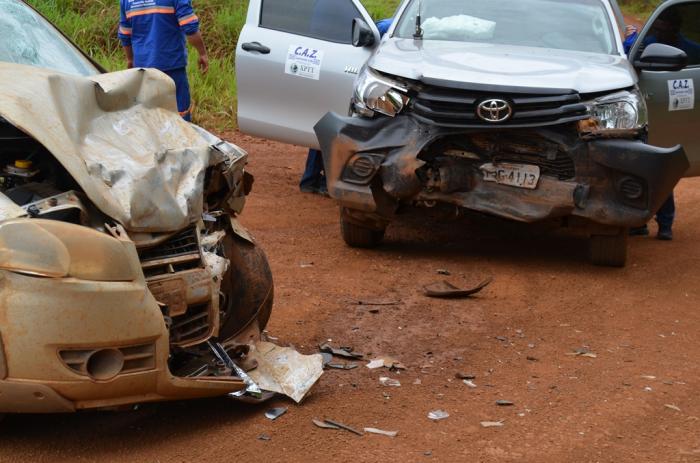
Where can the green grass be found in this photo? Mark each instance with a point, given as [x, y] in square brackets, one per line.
[92, 24]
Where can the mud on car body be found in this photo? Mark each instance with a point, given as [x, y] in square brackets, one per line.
[526, 110]
[125, 275]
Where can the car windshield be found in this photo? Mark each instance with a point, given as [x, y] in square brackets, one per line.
[27, 38]
[580, 25]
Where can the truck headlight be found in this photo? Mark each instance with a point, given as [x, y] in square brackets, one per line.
[377, 93]
[620, 111]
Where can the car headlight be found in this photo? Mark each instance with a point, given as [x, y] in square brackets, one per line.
[377, 93]
[53, 249]
[620, 111]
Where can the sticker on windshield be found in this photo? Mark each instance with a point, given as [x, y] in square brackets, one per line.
[304, 62]
[681, 95]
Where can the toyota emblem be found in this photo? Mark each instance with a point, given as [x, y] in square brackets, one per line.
[494, 110]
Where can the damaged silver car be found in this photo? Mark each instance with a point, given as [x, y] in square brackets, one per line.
[125, 275]
[528, 110]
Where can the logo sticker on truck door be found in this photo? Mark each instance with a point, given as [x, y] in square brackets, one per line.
[681, 95]
[304, 62]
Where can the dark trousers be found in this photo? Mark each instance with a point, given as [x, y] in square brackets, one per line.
[665, 215]
[314, 176]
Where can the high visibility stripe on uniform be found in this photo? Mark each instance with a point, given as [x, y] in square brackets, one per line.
[188, 19]
[189, 110]
[155, 10]
[125, 30]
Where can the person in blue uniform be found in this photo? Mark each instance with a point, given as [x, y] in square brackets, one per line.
[154, 34]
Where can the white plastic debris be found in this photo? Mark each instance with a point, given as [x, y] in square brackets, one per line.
[381, 432]
[469, 383]
[492, 424]
[437, 415]
[389, 382]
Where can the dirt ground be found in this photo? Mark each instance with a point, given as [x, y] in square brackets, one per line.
[642, 322]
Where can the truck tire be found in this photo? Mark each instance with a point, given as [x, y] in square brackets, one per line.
[358, 236]
[609, 250]
[247, 288]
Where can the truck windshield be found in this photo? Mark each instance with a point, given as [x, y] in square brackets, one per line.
[580, 25]
[27, 38]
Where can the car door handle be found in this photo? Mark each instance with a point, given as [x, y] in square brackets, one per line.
[256, 46]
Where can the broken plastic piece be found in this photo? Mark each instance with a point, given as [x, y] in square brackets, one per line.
[437, 415]
[491, 424]
[447, 290]
[274, 413]
[323, 424]
[347, 353]
[385, 362]
[284, 370]
[389, 382]
[343, 426]
[382, 432]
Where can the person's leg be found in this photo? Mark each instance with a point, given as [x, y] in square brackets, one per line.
[182, 87]
[313, 178]
[665, 218]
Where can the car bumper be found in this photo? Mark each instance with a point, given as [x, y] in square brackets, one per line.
[371, 163]
[43, 318]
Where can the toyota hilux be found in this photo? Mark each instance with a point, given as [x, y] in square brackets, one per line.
[529, 110]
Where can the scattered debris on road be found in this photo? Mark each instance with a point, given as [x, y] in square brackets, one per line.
[323, 424]
[389, 382]
[346, 352]
[460, 375]
[376, 303]
[342, 366]
[469, 383]
[274, 413]
[264, 437]
[343, 426]
[673, 407]
[284, 370]
[385, 362]
[443, 271]
[438, 415]
[381, 432]
[446, 290]
[583, 352]
[492, 424]
[504, 403]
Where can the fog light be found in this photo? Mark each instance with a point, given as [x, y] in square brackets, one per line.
[362, 167]
[631, 188]
[105, 364]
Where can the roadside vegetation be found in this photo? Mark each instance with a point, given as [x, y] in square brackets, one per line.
[92, 24]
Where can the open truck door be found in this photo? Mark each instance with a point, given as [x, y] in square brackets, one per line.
[294, 63]
[670, 80]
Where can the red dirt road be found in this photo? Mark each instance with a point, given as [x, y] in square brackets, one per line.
[643, 322]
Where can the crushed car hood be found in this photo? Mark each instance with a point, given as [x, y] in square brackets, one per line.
[120, 137]
[463, 63]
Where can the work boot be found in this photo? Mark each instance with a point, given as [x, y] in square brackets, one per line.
[665, 234]
[639, 231]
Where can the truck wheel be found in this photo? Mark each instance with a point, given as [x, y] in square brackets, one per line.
[358, 236]
[247, 288]
[609, 250]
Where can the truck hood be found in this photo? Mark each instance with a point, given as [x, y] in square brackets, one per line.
[122, 140]
[460, 64]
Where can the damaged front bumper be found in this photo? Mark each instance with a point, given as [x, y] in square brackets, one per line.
[374, 164]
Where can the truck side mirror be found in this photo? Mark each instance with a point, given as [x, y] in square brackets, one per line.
[660, 57]
[362, 35]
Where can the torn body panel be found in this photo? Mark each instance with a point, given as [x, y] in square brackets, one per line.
[617, 183]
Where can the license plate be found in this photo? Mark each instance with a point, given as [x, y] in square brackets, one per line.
[517, 175]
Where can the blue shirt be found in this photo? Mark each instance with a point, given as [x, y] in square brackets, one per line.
[156, 29]
[384, 26]
[692, 49]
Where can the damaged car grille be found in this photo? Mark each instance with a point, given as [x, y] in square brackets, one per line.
[458, 108]
[179, 252]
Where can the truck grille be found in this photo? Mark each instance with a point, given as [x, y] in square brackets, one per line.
[458, 108]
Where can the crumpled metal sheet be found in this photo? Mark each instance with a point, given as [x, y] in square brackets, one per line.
[284, 370]
[119, 135]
